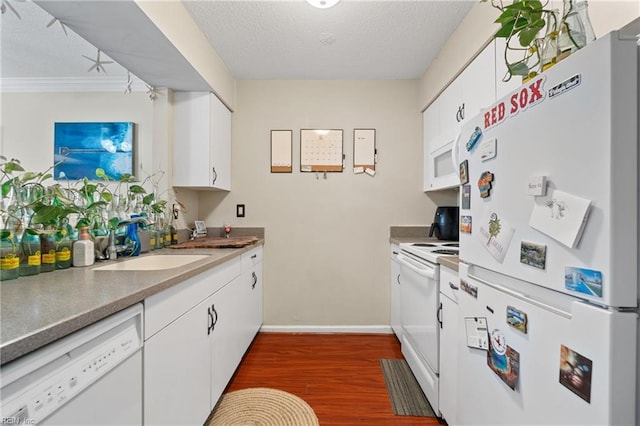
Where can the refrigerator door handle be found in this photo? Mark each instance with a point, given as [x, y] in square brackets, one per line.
[455, 152]
[522, 297]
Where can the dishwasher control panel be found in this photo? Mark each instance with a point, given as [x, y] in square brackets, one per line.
[33, 397]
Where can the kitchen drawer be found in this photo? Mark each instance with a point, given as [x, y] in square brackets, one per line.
[165, 307]
[251, 258]
[393, 251]
[449, 283]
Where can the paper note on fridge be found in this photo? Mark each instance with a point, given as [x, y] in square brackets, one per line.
[561, 216]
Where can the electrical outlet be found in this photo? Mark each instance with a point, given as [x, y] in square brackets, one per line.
[239, 210]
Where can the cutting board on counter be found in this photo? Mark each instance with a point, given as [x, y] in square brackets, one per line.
[216, 242]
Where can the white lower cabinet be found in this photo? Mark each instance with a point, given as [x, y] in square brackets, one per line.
[449, 284]
[225, 331]
[196, 334]
[394, 284]
[177, 362]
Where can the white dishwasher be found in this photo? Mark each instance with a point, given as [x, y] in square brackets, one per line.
[91, 377]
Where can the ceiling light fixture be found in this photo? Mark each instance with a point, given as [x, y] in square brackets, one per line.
[323, 4]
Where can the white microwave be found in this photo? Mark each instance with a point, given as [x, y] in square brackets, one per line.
[442, 170]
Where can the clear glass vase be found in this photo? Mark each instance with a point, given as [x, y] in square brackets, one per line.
[571, 36]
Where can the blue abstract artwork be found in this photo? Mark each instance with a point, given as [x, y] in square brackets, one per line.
[81, 148]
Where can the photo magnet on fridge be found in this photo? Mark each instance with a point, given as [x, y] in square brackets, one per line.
[503, 359]
[533, 254]
[582, 280]
[464, 172]
[466, 197]
[469, 288]
[465, 224]
[517, 319]
[575, 372]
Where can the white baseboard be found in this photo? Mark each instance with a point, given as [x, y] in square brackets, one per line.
[373, 329]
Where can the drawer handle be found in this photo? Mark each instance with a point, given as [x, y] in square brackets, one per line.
[254, 256]
[453, 287]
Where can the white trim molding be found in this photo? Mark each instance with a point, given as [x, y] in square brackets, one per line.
[70, 84]
[361, 329]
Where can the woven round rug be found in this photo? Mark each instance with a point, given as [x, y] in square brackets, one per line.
[262, 407]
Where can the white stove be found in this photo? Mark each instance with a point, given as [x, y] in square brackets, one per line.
[420, 315]
[430, 251]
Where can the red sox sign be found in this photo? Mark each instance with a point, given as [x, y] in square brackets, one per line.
[527, 96]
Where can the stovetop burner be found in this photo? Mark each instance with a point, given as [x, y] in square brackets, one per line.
[424, 245]
[451, 245]
[444, 251]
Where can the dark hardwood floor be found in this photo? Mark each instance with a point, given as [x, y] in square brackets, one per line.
[339, 375]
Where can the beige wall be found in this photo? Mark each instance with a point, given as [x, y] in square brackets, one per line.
[477, 29]
[327, 241]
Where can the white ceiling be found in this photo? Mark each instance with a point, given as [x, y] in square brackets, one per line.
[286, 39]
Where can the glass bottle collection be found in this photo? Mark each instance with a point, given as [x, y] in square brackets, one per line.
[33, 248]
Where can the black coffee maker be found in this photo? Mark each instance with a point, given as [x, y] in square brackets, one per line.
[445, 224]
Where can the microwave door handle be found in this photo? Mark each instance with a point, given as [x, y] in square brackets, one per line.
[426, 272]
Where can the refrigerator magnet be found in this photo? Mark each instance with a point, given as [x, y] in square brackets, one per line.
[517, 319]
[474, 138]
[533, 254]
[466, 197]
[503, 359]
[583, 280]
[464, 172]
[465, 224]
[477, 332]
[575, 372]
[495, 233]
[469, 288]
[484, 184]
[537, 186]
[487, 149]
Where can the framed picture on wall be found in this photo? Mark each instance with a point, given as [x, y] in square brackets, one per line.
[81, 148]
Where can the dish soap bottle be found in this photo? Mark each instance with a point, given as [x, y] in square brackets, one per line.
[83, 254]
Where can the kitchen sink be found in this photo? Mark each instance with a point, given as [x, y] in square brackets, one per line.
[153, 262]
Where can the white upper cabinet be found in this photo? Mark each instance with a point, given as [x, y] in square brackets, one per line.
[503, 88]
[472, 90]
[202, 142]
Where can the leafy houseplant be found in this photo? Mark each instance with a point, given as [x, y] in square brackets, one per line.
[520, 22]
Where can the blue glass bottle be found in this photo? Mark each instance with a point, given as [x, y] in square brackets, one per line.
[133, 239]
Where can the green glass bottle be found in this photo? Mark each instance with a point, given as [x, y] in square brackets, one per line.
[30, 258]
[9, 256]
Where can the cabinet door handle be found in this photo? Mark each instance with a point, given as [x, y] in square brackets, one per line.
[453, 287]
[254, 256]
[209, 321]
[398, 279]
[213, 316]
[438, 315]
[255, 280]
[460, 113]
[215, 176]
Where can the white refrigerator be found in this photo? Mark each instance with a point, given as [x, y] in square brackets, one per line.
[548, 302]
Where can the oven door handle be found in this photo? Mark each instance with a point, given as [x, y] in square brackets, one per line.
[425, 271]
